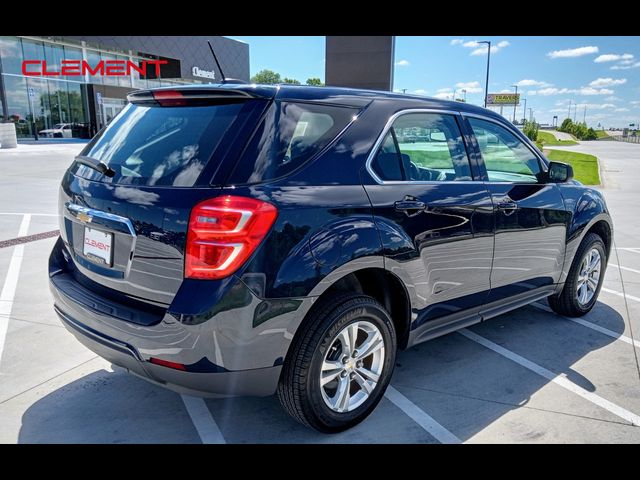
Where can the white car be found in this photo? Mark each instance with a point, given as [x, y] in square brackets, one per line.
[59, 130]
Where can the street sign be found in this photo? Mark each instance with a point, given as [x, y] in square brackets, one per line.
[99, 98]
[503, 99]
[32, 92]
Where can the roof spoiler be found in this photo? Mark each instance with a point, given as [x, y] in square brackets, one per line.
[178, 97]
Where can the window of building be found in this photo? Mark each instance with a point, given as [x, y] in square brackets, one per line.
[11, 55]
[423, 147]
[506, 157]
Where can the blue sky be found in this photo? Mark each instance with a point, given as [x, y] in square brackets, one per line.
[601, 73]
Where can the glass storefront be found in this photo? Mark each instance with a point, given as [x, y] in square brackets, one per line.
[42, 102]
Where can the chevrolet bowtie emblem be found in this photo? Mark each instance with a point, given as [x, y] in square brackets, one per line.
[83, 217]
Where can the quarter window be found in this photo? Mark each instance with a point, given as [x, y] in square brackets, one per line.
[423, 147]
[506, 157]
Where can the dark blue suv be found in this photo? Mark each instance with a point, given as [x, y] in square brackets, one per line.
[243, 239]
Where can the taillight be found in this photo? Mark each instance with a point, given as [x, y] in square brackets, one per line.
[223, 233]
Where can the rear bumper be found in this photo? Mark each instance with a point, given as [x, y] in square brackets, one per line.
[256, 382]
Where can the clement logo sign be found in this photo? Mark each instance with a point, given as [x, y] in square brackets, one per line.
[70, 68]
[198, 72]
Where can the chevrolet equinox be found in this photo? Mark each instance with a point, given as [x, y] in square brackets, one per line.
[246, 239]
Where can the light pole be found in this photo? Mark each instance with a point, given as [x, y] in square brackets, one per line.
[524, 112]
[584, 116]
[515, 103]
[454, 94]
[575, 111]
[530, 114]
[464, 95]
[569, 116]
[486, 85]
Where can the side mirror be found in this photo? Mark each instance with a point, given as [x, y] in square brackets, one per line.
[560, 172]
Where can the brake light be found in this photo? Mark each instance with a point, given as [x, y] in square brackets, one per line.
[223, 233]
[169, 98]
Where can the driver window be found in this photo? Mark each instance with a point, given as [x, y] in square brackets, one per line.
[423, 147]
[506, 157]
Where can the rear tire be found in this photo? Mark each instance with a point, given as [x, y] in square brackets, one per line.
[583, 284]
[326, 384]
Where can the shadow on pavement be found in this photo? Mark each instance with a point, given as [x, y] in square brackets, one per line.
[108, 407]
[462, 385]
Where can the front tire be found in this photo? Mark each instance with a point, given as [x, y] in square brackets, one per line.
[340, 365]
[582, 287]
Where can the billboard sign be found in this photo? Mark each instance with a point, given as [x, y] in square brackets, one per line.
[503, 99]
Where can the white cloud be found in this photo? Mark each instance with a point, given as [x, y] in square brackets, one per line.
[635, 102]
[403, 63]
[621, 109]
[527, 82]
[470, 87]
[457, 41]
[594, 91]
[627, 62]
[573, 52]
[625, 67]
[564, 91]
[613, 57]
[608, 82]
[443, 95]
[480, 48]
[444, 90]
[420, 91]
[612, 98]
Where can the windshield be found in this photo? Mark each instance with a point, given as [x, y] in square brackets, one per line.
[155, 146]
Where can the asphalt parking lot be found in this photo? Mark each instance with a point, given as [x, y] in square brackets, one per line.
[527, 377]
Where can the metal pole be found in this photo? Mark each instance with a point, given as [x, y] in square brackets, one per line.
[515, 104]
[454, 94]
[486, 85]
[584, 116]
[569, 116]
[575, 111]
[464, 93]
[530, 114]
[524, 113]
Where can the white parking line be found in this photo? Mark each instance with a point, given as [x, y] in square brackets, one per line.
[416, 414]
[32, 214]
[624, 268]
[11, 282]
[620, 294]
[560, 380]
[203, 421]
[592, 326]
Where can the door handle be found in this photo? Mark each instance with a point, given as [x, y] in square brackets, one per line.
[410, 207]
[508, 207]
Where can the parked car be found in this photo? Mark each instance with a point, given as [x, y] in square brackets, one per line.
[247, 240]
[59, 130]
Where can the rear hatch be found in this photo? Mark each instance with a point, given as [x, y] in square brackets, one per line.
[126, 228]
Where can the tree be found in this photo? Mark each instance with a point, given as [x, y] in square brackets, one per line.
[291, 81]
[268, 77]
[566, 126]
[591, 135]
[530, 129]
[315, 81]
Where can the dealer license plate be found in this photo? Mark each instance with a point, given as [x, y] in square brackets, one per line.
[97, 246]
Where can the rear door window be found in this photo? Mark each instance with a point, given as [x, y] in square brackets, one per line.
[160, 146]
[290, 135]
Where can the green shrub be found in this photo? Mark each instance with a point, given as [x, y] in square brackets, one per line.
[530, 129]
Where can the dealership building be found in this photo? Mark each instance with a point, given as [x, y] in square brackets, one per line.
[45, 97]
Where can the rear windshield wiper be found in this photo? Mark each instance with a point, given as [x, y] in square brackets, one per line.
[97, 165]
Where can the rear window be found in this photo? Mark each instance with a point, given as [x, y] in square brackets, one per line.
[290, 135]
[160, 146]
